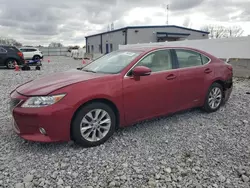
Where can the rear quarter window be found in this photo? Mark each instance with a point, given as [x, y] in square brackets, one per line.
[205, 59]
[2, 50]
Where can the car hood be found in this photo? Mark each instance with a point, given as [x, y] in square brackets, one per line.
[50, 83]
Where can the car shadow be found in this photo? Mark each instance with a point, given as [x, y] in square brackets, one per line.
[56, 147]
[4, 68]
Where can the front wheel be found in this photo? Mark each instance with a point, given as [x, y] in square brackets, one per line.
[93, 124]
[214, 98]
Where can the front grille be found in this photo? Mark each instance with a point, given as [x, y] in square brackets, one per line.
[13, 103]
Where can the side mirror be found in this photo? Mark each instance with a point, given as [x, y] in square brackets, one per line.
[141, 71]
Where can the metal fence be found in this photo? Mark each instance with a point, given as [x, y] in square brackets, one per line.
[48, 51]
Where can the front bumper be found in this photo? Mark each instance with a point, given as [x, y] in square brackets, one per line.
[27, 122]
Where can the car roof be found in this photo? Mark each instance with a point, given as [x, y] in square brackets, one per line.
[151, 48]
[29, 47]
[4, 45]
[145, 49]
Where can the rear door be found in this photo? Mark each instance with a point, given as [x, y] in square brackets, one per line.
[3, 53]
[194, 76]
[151, 95]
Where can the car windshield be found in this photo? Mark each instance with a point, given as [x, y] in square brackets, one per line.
[112, 63]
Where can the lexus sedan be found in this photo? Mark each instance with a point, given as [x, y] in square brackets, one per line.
[119, 89]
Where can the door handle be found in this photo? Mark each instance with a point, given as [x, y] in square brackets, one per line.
[170, 77]
[207, 70]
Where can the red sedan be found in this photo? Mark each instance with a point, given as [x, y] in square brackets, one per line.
[119, 89]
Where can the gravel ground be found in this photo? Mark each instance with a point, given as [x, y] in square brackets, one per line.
[189, 149]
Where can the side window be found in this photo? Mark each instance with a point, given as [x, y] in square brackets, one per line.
[30, 50]
[188, 58]
[3, 51]
[157, 61]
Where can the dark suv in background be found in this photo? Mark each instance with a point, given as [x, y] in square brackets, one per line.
[9, 55]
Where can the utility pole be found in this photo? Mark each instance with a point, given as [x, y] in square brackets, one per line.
[166, 7]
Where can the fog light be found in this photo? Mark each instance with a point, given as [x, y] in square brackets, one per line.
[42, 131]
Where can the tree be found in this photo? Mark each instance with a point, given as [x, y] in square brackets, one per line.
[235, 31]
[9, 41]
[55, 45]
[217, 31]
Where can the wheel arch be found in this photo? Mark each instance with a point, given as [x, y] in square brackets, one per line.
[222, 83]
[9, 58]
[36, 55]
[101, 100]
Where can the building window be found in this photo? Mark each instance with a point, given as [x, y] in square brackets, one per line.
[88, 50]
[92, 48]
[111, 47]
[100, 48]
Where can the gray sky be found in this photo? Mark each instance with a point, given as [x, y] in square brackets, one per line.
[44, 21]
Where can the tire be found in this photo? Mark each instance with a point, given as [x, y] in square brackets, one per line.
[83, 114]
[214, 88]
[9, 63]
[36, 57]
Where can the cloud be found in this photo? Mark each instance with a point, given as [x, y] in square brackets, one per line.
[44, 21]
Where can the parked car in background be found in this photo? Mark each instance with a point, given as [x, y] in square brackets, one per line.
[31, 53]
[9, 55]
[116, 90]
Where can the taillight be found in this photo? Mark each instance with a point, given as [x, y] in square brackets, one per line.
[230, 67]
[20, 54]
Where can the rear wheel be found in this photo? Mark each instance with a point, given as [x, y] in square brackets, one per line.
[93, 124]
[36, 57]
[10, 63]
[214, 98]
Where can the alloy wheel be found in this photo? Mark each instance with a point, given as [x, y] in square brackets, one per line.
[215, 98]
[11, 64]
[95, 125]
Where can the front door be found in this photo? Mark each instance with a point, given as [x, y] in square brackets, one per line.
[151, 95]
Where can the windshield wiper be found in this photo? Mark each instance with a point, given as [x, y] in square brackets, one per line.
[86, 70]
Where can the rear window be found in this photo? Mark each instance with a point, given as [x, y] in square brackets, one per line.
[12, 49]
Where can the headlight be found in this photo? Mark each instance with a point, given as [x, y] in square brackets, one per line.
[42, 101]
